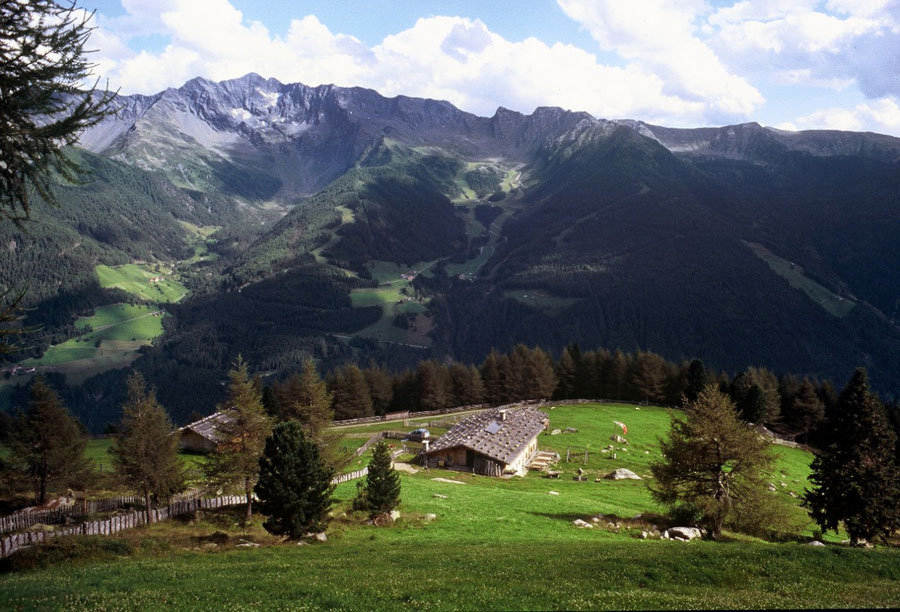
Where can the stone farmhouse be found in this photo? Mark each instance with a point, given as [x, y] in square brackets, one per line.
[493, 443]
[202, 436]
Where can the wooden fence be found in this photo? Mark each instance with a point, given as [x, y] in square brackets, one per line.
[11, 543]
[23, 520]
[360, 473]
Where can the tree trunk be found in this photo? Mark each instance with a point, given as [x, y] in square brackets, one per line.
[148, 508]
[249, 491]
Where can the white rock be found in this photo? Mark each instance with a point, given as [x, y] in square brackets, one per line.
[395, 514]
[430, 517]
[440, 496]
[623, 474]
[816, 543]
[582, 524]
[555, 432]
[321, 537]
[554, 492]
[683, 533]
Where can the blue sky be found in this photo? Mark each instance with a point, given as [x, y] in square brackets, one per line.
[793, 64]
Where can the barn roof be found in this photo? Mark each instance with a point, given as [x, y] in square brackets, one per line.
[492, 435]
[207, 427]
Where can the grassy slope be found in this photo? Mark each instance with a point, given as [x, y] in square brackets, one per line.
[496, 544]
[121, 328]
[135, 279]
[793, 274]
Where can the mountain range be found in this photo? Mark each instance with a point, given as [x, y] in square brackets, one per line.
[741, 245]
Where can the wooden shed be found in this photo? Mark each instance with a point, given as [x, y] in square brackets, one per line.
[202, 436]
[492, 443]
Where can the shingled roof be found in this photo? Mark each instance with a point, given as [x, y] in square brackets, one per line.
[208, 426]
[489, 434]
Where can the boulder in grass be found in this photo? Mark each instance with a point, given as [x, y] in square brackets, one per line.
[816, 543]
[555, 432]
[623, 474]
[684, 534]
[582, 524]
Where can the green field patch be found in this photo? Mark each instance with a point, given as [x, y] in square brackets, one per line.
[142, 281]
[540, 299]
[117, 333]
[396, 296]
[835, 305]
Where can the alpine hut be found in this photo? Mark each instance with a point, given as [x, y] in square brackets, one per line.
[493, 443]
[202, 436]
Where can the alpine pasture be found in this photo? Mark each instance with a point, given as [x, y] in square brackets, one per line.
[492, 544]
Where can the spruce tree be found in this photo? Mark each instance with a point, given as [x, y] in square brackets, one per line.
[351, 394]
[294, 486]
[241, 436]
[381, 493]
[47, 444]
[712, 463]
[695, 380]
[808, 412]
[145, 452]
[855, 478]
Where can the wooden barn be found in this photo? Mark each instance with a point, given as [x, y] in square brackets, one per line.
[202, 436]
[492, 443]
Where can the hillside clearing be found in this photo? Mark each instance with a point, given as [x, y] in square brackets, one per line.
[142, 281]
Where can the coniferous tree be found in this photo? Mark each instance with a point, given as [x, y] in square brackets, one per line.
[712, 463]
[696, 380]
[381, 493]
[648, 377]
[434, 386]
[492, 378]
[145, 451]
[565, 375]
[380, 388]
[855, 478]
[753, 405]
[767, 382]
[294, 486]
[47, 444]
[241, 436]
[539, 380]
[808, 410]
[351, 394]
[43, 105]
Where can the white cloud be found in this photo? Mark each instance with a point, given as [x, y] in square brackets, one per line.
[662, 38]
[881, 115]
[452, 58]
[686, 63]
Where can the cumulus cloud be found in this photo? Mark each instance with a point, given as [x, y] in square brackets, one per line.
[881, 115]
[683, 64]
[452, 58]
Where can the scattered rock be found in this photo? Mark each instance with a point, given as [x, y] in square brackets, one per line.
[553, 492]
[623, 474]
[603, 450]
[596, 519]
[430, 517]
[611, 447]
[644, 535]
[598, 480]
[618, 438]
[772, 487]
[622, 448]
[792, 494]
[555, 432]
[646, 452]
[815, 543]
[582, 524]
[440, 496]
[209, 546]
[684, 534]
[448, 480]
[614, 456]
[783, 484]
[302, 543]
[248, 545]
[637, 407]
[382, 520]
[637, 517]
[395, 514]
[571, 430]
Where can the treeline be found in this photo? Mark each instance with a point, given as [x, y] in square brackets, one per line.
[792, 406]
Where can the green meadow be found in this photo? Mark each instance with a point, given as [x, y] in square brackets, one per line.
[142, 281]
[492, 544]
[117, 332]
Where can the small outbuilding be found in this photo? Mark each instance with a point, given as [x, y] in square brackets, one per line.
[493, 443]
[202, 436]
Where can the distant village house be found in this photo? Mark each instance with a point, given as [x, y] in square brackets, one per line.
[202, 436]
